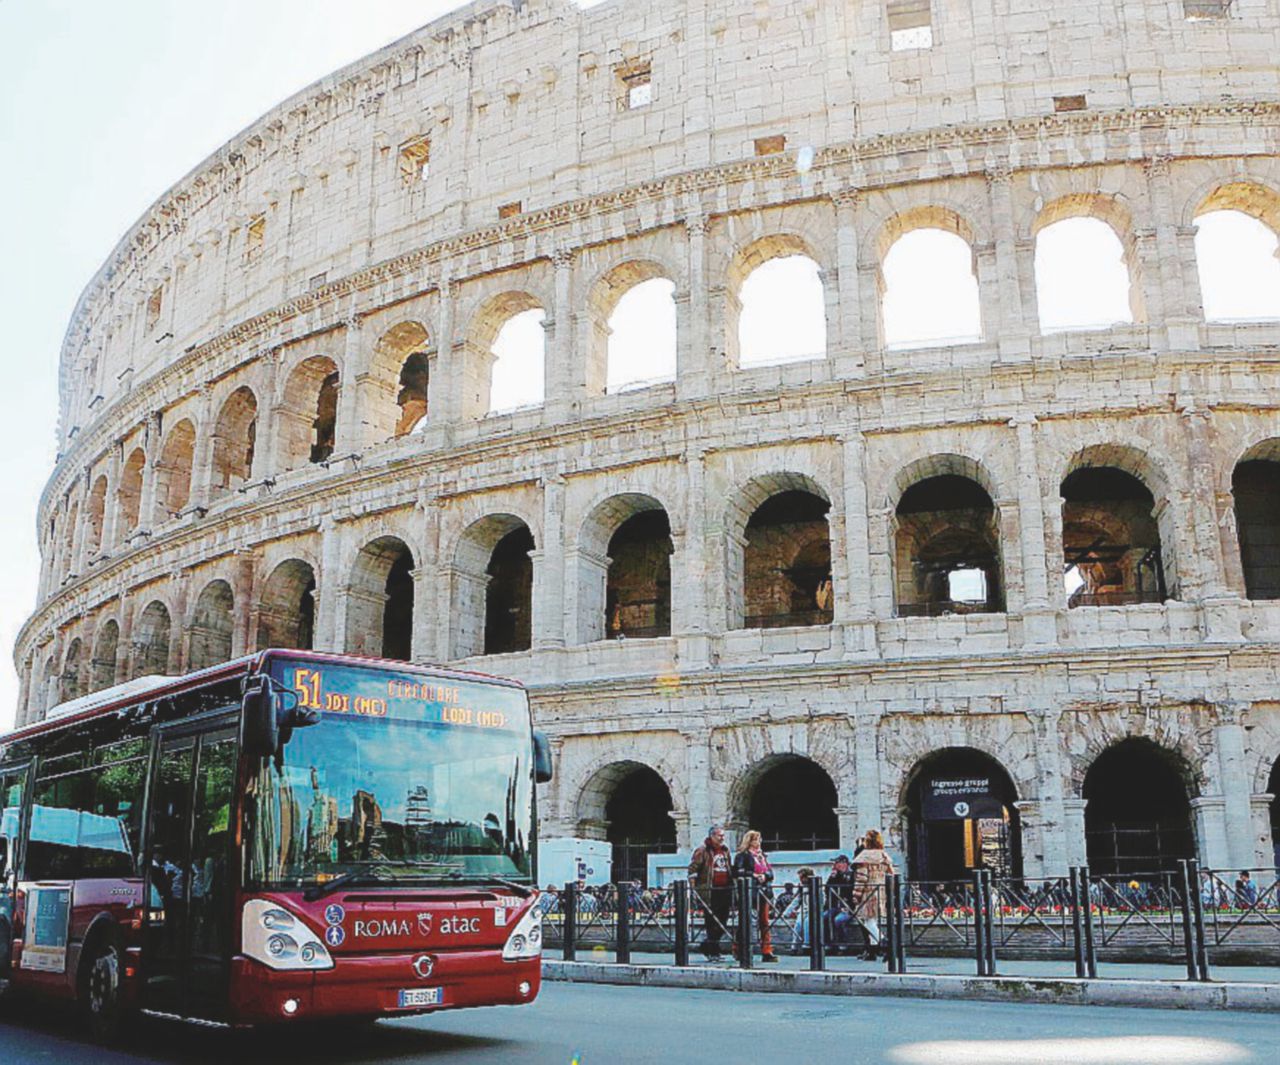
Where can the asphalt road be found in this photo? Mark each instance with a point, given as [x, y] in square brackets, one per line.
[626, 1026]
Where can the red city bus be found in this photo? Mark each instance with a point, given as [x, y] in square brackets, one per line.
[288, 836]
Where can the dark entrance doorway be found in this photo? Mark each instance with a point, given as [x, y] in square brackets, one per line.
[961, 816]
[640, 824]
[793, 807]
[1273, 787]
[1137, 817]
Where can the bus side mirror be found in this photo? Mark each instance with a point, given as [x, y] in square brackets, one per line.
[4, 858]
[261, 726]
[541, 758]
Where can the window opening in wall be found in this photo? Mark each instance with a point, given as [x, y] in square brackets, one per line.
[255, 233]
[287, 609]
[1137, 816]
[105, 648]
[397, 617]
[1273, 788]
[95, 513]
[638, 814]
[173, 471]
[325, 425]
[1205, 10]
[787, 563]
[1076, 102]
[1236, 255]
[519, 359]
[411, 397]
[508, 614]
[318, 281]
[931, 291]
[642, 337]
[1110, 540]
[947, 549]
[910, 24]
[635, 81]
[130, 498]
[154, 305]
[415, 161]
[784, 313]
[151, 642]
[774, 145]
[638, 586]
[510, 210]
[380, 600]
[1255, 487]
[235, 441]
[213, 626]
[793, 806]
[1082, 279]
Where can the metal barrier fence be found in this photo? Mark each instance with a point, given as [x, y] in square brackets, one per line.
[1180, 917]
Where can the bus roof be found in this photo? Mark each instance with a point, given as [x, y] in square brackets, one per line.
[100, 702]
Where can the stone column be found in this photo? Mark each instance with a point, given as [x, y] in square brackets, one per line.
[870, 293]
[124, 643]
[1264, 846]
[150, 475]
[245, 591]
[699, 801]
[1032, 827]
[111, 505]
[1213, 847]
[866, 762]
[694, 344]
[854, 599]
[1013, 330]
[443, 388]
[1237, 788]
[845, 340]
[425, 639]
[1074, 852]
[1205, 560]
[329, 625]
[549, 575]
[271, 421]
[990, 300]
[565, 379]
[1039, 625]
[1179, 288]
[202, 454]
[1054, 845]
[348, 435]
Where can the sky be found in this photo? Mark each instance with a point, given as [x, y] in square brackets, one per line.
[104, 105]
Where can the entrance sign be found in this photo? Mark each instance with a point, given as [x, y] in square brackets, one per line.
[960, 798]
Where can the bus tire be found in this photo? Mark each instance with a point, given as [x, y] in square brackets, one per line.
[100, 993]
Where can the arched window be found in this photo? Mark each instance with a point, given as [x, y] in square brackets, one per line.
[930, 290]
[173, 471]
[791, 801]
[308, 416]
[234, 442]
[72, 682]
[642, 336]
[1110, 540]
[1238, 253]
[380, 601]
[1082, 278]
[1255, 487]
[105, 649]
[129, 498]
[519, 360]
[492, 594]
[396, 390]
[411, 395]
[212, 626]
[95, 516]
[961, 815]
[632, 803]
[637, 598]
[287, 612]
[1137, 817]
[783, 316]
[151, 642]
[787, 562]
[947, 549]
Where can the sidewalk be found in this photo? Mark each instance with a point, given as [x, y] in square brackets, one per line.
[1150, 985]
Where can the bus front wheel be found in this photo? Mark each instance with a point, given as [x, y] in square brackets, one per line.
[101, 994]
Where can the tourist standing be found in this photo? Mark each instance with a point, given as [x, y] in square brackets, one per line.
[711, 874]
[752, 864]
[871, 867]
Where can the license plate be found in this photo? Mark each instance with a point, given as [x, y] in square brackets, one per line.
[421, 996]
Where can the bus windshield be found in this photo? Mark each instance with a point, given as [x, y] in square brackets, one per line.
[405, 778]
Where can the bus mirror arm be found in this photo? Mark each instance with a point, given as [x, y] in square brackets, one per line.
[541, 758]
[271, 713]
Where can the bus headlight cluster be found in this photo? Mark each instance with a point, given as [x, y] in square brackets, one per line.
[280, 940]
[525, 940]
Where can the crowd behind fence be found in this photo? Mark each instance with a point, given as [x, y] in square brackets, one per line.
[1182, 917]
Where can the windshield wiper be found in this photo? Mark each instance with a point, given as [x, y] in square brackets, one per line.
[355, 876]
[523, 890]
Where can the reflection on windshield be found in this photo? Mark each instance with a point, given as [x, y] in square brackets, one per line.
[405, 798]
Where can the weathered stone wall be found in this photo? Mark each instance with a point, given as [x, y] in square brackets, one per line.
[303, 245]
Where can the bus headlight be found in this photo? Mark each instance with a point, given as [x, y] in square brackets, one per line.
[525, 940]
[279, 939]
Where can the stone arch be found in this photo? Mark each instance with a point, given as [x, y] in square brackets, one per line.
[380, 600]
[599, 573]
[307, 415]
[492, 593]
[151, 637]
[1110, 487]
[967, 324]
[751, 306]
[72, 671]
[1255, 493]
[630, 804]
[212, 627]
[1232, 280]
[106, 648]
[1252, 196]
[173, 471]
[95, 513]
[1110, 211]
[956, 802]
[129, 492]
[778, 575]
[610, 289]
[50, 684]
[287, 608]
[398, 384]
[791, 799]
[480, 364]
[235, 439]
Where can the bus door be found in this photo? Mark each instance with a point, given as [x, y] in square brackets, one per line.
[13, 780]
[187, 954]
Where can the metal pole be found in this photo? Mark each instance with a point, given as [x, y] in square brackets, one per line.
[1197, 914]
[890, 934]
[682, 922]
[989, 909]
[1090, 948]
[979, 925]
[745, 920]
[900, 893]
[570, 931]
[1077, 923]
[623, 899]
[1188, 929]
[817, 953]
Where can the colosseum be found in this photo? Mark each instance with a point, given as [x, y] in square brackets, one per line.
[1012, 593]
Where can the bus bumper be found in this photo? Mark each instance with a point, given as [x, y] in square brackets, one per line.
[372, 986]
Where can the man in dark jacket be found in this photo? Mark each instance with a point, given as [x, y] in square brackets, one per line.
[840, 923]
[711, 876]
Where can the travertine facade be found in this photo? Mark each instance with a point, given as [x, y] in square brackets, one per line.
[201, 488]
